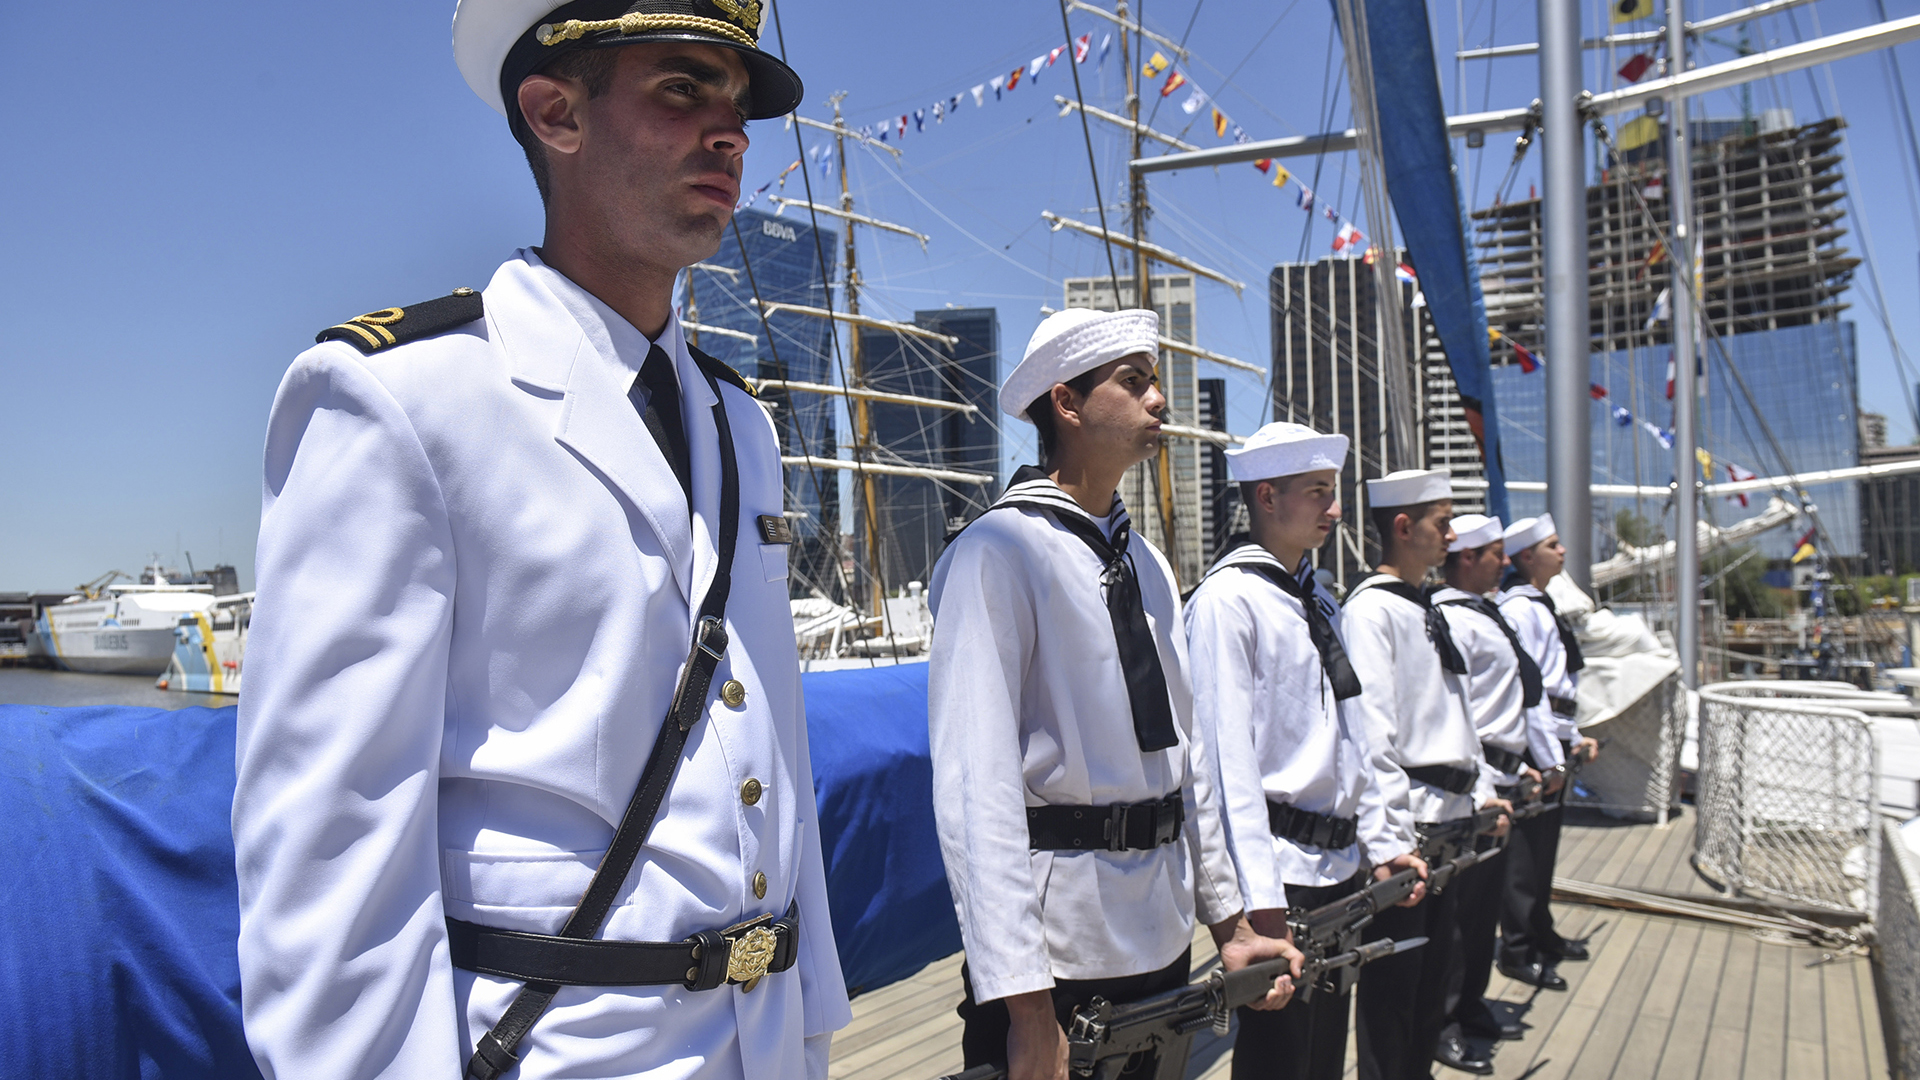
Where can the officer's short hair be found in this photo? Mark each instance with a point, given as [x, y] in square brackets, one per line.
[1043, 417]
[593, 69]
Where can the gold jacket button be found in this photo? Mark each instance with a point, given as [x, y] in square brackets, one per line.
[759, 885]
[750, 791]
[733, 693]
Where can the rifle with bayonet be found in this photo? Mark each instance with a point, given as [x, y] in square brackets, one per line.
[1451, 847]
[1333, 929]
[1104, 1037]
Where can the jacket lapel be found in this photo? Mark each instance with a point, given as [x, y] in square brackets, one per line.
[539, 324]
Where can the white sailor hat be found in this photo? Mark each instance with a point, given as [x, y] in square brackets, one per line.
[1074, 342]
[1474, 531]
[498, 43]
[1410, 487]
[1527, 532]
[1284, 449]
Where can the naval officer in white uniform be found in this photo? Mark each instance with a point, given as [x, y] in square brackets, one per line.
[1271, 691]
[494, 554]
[1530, 948]
[1502, 685]
[1424, 756]
[1078, 813]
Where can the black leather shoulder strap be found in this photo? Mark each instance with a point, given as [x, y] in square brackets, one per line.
[494, 1055]
[714, 369]
[383, 329]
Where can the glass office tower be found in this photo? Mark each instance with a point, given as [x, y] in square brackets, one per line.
[782, 261]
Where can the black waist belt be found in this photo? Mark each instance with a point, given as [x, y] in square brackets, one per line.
[1505, 760]
[1289, 822]
[1445, 777]
[741, 954]
[1118, 827]
[1563, 706]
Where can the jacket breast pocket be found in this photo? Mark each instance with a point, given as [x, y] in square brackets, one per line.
[773, 558]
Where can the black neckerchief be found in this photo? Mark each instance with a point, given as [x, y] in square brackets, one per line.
[1333, 657]
[1570, 641]
[1531, 685]
[1437, 631]
[1153, 727]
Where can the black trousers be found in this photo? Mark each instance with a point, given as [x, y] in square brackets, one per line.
[1307, 1040]
[1477, 896]
[1402, 1004]
[983, 1035]
[1526, 915]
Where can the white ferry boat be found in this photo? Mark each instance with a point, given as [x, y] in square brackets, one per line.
[125, 628]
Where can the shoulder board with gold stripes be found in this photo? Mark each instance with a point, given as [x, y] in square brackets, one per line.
[720, 371]
[377, 330]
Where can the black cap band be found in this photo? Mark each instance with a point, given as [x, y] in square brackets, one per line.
[773, 87]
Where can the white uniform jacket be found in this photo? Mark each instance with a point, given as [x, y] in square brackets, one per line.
[1415, 713]
[1541, 635]
[477, 583]
[1027, 707]
[1496, 697]
[1262, 700]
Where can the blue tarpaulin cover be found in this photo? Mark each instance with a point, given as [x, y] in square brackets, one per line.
[122, 908]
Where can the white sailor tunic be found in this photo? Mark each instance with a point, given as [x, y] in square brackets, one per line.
[1538, 629]
[1028, 706]
[1496, 693]
[1263, 700]
[1415, 714]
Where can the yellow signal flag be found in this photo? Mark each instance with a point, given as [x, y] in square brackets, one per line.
[1806, 552]
[1706, 463]
[1637, 133]
[1154, 66]
[1629, 10]
[1219, 124]
[1281, 176]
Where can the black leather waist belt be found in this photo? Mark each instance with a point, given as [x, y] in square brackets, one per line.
[1505, 760]
[742, 954]
[1563, 706]
[1289, 822]
[1118, 827]
[1445, 777]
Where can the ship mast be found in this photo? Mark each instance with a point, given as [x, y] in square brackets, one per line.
[856, 376]
[1142, 279]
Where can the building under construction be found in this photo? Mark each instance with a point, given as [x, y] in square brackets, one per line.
[1778, 363]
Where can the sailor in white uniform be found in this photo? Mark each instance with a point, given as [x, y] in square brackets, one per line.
[1424, 756]
[1271, 683]
[1530, 948]
[515, 545]
[1502, 685]
[1078, 812]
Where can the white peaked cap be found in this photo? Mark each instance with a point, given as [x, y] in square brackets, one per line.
[1409, 487]
[1527, 532]
[1474, 531]
[1074, 342]
[1284, 449]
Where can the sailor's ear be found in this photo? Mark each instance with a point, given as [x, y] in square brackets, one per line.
[551, 107]
[1068, 410]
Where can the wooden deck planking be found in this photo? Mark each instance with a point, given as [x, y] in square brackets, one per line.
[1666, 999]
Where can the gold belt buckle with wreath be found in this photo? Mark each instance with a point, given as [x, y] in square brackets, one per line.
[751, 948]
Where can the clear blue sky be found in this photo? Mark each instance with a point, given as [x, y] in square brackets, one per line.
[192, 191]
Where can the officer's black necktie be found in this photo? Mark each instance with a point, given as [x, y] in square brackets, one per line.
[1437, 630]
[1333, 658]
[1530, 681]
[660, 409]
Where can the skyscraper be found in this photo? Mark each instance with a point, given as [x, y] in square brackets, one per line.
[781, 264]
[916, 514]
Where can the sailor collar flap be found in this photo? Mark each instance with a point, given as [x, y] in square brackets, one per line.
[1334, 663]
[1437, 631]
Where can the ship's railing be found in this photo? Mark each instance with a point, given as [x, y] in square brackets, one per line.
[1786, 799]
